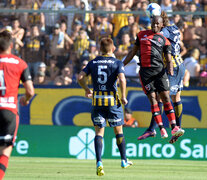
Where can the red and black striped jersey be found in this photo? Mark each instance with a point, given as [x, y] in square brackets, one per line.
[12, 70]
[152, 46]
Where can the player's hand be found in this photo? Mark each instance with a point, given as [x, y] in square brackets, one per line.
[89, 93]
[23, 101]
[124, 101]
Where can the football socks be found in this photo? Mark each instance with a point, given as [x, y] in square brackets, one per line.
[98, 142]
[120, 141]
[3, 165]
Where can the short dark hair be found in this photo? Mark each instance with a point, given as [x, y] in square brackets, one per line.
[5, 40]
[106, 45]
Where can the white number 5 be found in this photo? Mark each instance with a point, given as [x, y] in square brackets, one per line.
[102, 74]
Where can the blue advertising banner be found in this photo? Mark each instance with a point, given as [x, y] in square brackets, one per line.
[68, 106]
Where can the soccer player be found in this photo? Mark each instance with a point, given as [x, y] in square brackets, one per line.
[12, 70]
[106, 106]
[151, 45]
[172, 33]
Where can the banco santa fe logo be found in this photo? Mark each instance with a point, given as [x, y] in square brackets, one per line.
[82, 145]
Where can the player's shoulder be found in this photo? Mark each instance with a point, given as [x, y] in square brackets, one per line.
[145, 32]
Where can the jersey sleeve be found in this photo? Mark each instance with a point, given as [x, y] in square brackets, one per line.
[25, 76]
[167, 47]
[120, 67]
[165, 33]
[87, 69]
[137, 43]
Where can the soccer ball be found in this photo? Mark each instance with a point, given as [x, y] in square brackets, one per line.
[153, 9]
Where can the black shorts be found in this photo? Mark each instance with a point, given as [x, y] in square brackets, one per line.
[8, 127]
[157, 83]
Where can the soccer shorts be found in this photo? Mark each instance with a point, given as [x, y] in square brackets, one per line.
[176, 81]
[157, 83]
[113, 114]
[8, 127]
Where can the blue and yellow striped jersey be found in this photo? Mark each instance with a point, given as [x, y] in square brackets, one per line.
[104, 71]
[172, 33]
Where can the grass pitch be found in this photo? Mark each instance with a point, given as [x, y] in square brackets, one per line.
[24, 168]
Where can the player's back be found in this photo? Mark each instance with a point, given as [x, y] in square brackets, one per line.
[104, 71]
[11, 68]
[172, 33]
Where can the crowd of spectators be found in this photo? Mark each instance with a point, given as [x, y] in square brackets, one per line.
[57, 46]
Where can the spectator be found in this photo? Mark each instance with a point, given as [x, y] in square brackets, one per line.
[63, 79]
[196, 36]
[123, 48]
[41, 79]
[74, 5]
[58, 41]
[120, 20]
[76, 30]
[36, 18]
[134, 30]
[17, 35]
[143, 20]
[52, 70]
[131, 20]
[166, 5]
[129, 120]
[51, 18]
[188, 18]
[34, 49]
[81, 44]
[69, 42]
[192, 65]
[93, 52]
[107, 6]
[104, 28]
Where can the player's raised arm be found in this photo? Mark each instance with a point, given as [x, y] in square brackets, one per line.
[82, 82]
[131, 54]
[122, 81]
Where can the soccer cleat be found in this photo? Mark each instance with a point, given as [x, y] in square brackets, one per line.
[126, 164]
[99, 169]
[163, 133]
[173, 139]
[177, 131]
[147, 134]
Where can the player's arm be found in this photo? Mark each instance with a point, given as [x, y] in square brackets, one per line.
[122, 82]
[82, 82]
[169, 62]
[167, 53]
[131, 54]
[28, 86]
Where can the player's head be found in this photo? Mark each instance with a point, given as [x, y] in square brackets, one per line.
[157, 24]
[5, 41]
[165, 18]
[107, 45]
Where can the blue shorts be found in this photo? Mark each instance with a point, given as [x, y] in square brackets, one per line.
[113, 114]
[176, 81]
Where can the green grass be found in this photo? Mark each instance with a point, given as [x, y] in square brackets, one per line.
[24, 168]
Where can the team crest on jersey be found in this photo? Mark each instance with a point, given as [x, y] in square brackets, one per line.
[147, 87]
[160, 40]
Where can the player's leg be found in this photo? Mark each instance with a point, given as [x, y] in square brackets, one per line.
[178, 107]
[169, 111]
[116, 120]
[98, 116]
[98, 143]
[5, 152]
[120, 141]
[8, 129]
[156, 113]
[150, 132]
